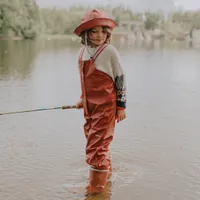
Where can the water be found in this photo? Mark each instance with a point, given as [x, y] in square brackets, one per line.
[155, 152]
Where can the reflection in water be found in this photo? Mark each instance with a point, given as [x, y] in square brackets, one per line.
[82, 192]
[16, 58]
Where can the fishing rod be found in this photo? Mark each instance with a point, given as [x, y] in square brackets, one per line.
[40, 109]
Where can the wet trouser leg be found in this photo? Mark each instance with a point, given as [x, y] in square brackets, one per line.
[99, 130]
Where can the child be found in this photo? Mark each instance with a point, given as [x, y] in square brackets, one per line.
[103, 93]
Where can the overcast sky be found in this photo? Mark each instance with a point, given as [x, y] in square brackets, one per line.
[137, 4]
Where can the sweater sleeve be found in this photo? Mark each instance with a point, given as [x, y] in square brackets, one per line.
[119, 78]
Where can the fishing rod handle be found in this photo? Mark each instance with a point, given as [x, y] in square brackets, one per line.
[68, 107]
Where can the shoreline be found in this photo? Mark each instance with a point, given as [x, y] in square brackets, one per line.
[6, 38]
[121, 36]
[45, 37]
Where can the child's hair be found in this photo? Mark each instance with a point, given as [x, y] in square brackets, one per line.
[105, 28]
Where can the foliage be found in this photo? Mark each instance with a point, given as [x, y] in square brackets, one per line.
[192, 19]
[25, 19]
[152, 20]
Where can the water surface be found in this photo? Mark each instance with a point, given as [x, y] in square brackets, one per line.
[155, 152]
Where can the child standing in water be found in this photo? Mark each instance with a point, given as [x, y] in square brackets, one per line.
[103, 93]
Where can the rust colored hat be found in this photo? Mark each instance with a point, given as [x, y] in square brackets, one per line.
[94, 18]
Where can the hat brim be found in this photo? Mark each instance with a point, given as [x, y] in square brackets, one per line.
[93, 23]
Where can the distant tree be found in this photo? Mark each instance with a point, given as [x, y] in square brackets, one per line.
[152, 20]
[24, 18]
[21, 17]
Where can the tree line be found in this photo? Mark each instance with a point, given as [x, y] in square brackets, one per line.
[24, 18]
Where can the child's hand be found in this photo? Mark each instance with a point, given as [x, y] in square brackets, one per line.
[79, 104]
[120, 115]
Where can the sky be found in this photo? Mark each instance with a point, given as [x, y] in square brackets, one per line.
[189, 4]
[134, 4]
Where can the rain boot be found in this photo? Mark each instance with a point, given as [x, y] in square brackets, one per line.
[97, 181]
[110, 171]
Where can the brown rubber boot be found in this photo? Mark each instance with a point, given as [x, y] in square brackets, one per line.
[97, 181]
[110, 171]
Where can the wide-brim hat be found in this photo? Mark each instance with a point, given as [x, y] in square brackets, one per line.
[94, 18]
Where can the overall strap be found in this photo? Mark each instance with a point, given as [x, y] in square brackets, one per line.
[99, 51]
[81, 53]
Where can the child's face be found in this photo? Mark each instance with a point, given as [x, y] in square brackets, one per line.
[98, 36]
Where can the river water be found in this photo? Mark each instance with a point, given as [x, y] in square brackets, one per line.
[155, 152]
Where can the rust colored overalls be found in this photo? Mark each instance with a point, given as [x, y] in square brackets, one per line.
[99, 103]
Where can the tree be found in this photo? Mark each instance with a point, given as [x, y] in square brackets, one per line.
[20, 17]
[152, 20]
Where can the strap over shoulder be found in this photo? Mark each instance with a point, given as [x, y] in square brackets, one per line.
[99, 51]
[81, 53]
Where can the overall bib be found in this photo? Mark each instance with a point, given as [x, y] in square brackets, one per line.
[99, 103]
